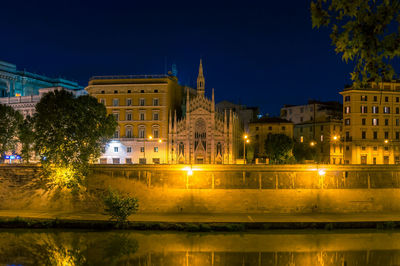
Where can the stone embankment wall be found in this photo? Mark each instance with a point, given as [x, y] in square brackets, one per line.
[221, 188]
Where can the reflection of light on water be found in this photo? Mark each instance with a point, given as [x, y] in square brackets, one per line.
[62, 258]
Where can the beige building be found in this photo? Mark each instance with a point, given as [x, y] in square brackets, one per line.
[324, 136]
[261, 128]
[141, 105]
[314, 110]
[371, 124]
[203, 134]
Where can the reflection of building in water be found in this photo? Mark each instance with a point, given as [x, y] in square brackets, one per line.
[15, 82]
[203, 135]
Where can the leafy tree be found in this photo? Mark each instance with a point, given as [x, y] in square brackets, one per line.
[302, 152]
[69, 134]
[26, 138]
[10, 121]
[278, 148]
[120, 206]
[363, 31]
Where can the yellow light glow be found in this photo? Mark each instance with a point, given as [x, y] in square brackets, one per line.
[245, 136]
[18, 94]
[150, 137]
[386, 141]
[160, 140]
[312, 143]
[321, 172]
[247, 140]
[335, 137]
[189, 170]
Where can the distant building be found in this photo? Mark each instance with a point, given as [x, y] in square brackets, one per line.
[314, 110]
[203, 134]
[15, 82]
[245, 114]
[371, 124]
[261, 128]
[324, 136]
[141, 105]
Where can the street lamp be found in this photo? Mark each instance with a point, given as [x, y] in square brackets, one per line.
[144, 148]
[312, 143]
[386, 141]
[245, 140]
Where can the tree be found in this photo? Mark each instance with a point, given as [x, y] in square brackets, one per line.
[302, 152]
[26, 138]
[69, 134]
[363, 31]
[10, 121]
[119, 206]
[278, 148]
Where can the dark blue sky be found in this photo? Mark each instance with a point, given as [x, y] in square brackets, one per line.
[262, 53]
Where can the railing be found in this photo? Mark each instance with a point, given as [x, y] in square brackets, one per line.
[20, 99]
[130, 77]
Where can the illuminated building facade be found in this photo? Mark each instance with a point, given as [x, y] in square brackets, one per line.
[371, 124]
[261, 128]
[203, 135]
[15, 82]
[141, 105]
[314, 110]
[324, 136]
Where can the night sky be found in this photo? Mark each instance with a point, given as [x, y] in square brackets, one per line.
[262, 53]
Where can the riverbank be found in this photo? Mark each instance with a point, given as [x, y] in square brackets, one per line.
[199, 222]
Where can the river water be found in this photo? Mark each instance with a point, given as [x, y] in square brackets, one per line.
[61, 247]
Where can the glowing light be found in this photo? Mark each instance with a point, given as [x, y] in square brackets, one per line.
[18, 94]
[189, 170]
[245, 136]
[335, 137]
[160, 140]
[321, 172]
[247, 140]
[386, 141]
[150, 137]
[312, 143]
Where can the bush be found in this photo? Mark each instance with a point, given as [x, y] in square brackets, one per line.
[120, 206]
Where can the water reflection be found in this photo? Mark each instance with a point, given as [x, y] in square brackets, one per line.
[23, 247]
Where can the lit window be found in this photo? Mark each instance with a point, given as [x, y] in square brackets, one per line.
[322, 138]
[347, 121]
[347, 110]
[155, 149]
[364, 98]
[375, 109]
[375, 121]
[364, 109]
[386, 110]
[301, 139]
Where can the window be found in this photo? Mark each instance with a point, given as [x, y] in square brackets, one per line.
[322, 138]
[115, 102]
[386, 122]
[397, 122]
[115, 160]
[375, 98]
[156, 160]
[141, 91]
[347, 98]
[347, 147]
[155, 91]
[128, 102]
[155, 133]
[141, 132]
[129, 149]
[128, 132]
[301, 139]
[257, 128]
[269, 128]
[302, 110]
[155, 149]
[386, 99]
[347, 121]
[386, 110]
[375, 121]
[116, 116]
[363, 148]
[155, 116]
[364, 98]
[375, 134]
[128, 160]
[141, 102]
[301, 130]
[322, 128]
[347, 110]
[386, 134]
[363, 134]
[301, 119]
[397, 110]
[364, 109]
[102, 92]
[397, 99]
[141, 149]
[129, 91]
[283, 128]
[115, 149]
[128, 116]
[115, 92]
[103, 101]
[347, 135]
[363, 121]
[142, 116]
[116, 134]
[155, 101]
[397, 135]
[375, 148]
[375, 109]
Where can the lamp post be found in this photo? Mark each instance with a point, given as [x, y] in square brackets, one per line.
[144, 148]
[245, 140]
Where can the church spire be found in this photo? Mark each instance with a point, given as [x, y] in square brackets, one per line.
[200, 80]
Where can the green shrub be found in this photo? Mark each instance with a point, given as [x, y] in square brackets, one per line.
[119, 206]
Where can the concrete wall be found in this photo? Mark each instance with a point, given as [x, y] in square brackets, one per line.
[218, 188]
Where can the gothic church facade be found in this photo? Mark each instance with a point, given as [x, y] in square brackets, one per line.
[203, 135]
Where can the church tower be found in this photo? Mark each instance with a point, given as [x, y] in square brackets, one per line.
[200, 81]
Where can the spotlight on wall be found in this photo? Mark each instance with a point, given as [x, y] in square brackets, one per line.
[188, 170]
[321, 172]
[386, 141]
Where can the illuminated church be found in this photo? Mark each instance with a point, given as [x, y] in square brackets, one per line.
[203, 135]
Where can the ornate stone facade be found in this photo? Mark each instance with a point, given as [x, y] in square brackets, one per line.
[203, 135]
